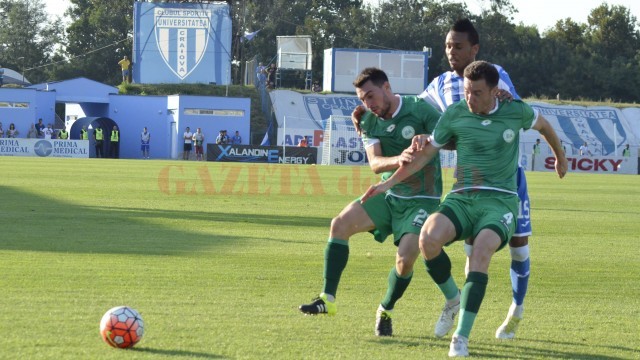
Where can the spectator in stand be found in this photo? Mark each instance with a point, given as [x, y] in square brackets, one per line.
[316, 88]
[222, 138]
[1, 131]
[39, 129]
[304, 142]
[261, 74]
[12, 132]
[187, 136]
[198, 139]
[145, 138]
[48, 132]
[271, 76]
[1, 75]
[236, 139]
[32, 133]
[584, 150]
[124, 64]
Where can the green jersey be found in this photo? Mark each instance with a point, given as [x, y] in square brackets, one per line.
[413, 117]
[487, 144]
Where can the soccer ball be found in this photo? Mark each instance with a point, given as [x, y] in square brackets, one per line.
[121, 327]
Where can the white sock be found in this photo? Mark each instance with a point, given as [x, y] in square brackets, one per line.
[516, 310]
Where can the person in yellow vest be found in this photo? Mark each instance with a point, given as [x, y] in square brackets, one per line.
[63, 134]
[626, 152]
[98, 136]
[115, 143]
[84, 134]
[124, 64]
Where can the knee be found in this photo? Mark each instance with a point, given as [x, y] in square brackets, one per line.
[340, 228]
[429, 246]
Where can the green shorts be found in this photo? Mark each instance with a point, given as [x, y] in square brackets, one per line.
[474, 211]
[398, 216]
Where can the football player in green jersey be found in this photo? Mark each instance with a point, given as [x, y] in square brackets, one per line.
[483, 203]
[388, 122]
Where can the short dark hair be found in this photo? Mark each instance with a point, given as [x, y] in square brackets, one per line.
[465, 26]
[479, 70]
[373, 74]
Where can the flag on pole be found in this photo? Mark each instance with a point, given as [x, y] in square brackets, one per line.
[248, 36]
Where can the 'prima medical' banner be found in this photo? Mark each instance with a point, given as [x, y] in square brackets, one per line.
[181, 43]
[44, 148]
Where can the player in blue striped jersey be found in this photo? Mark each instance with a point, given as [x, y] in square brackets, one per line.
[462, 45]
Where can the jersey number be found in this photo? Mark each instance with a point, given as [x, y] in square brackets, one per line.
[420, 218]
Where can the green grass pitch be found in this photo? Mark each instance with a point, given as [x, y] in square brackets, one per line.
[217, 256]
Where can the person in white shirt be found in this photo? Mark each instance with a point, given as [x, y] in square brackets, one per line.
[584, 150]
[188, 136]
[48, 132]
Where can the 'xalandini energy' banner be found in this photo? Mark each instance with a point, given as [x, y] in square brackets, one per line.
[181, 43]
[262, 154]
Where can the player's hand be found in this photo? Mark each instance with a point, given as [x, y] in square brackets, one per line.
[419, 142]
[562, 166]
[406, 156]
[356, 115]
[504, 95]
[372, 191]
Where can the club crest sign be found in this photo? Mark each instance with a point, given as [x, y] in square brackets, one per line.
[186, 43]
[182, 36]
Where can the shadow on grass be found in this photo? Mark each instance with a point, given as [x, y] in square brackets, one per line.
[35, 223]
[178, 353]
[509, 349]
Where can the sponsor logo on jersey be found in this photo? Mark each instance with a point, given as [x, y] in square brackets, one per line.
[486, 122]
[508, 135]
[408, 132]
[391, 127]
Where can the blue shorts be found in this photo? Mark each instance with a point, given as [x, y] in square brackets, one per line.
[144, 147]
[125, 72]
[523, 225]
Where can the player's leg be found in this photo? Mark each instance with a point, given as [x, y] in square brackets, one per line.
[439, 230]
[520, 263]
[408, 217]
[398, 281]
[352, 219]
[494, 227]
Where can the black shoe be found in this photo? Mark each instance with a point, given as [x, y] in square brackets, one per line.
[320, 305]
[383, 324]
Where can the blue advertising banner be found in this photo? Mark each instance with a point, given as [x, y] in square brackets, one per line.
[181, 43]
[262, 154]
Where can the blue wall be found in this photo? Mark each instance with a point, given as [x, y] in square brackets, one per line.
[40, 105]
[132, 113]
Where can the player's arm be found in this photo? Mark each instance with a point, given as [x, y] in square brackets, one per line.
[380, 163]
[549, 134]
[356, 115]
[420, 159]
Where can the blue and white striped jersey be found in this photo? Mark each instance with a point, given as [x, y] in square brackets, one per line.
[448, 89]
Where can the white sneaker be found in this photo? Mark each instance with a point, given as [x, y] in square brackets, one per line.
[459, 346]
[508, 328]
[448, 316]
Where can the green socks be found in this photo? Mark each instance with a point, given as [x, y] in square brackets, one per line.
[397, 285]
[336, 255]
